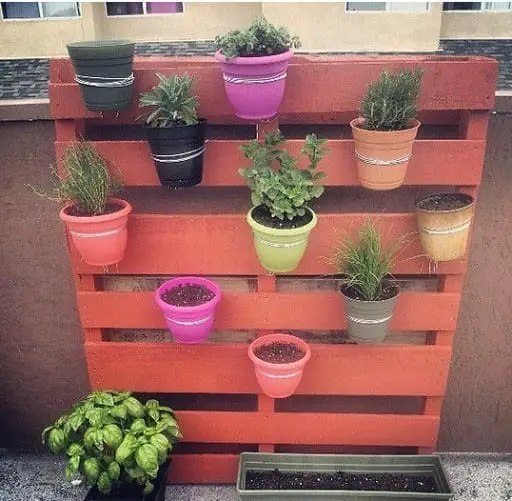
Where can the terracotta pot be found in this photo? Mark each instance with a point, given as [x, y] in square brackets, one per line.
[279, 380]
[100, 240]
[382, 156]
[444, 233]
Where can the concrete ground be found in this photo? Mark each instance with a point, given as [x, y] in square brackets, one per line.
[31, 477]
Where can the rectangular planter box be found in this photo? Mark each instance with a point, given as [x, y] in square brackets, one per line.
[331, 463]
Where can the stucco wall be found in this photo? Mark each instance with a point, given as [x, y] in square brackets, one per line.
[475, 24]
[328, 26]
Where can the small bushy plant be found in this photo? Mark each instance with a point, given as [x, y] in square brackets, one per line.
[172, 102]
[86, 183]
[261, 38]
[287, 190]
[365, 264]
[111, 437]
[390, 102]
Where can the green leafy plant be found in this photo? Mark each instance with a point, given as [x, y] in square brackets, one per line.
[172, 102]
[261, 38]
[284, 191]
[365, 263]
[111, 437]
[390, 102]
[86, 183]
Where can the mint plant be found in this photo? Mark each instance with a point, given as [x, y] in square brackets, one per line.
[111, 437]
[287, 190]
[172, 101]
[390, 101]
[261, 38]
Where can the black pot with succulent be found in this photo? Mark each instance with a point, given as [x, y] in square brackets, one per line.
[117, 445]
[176, 135]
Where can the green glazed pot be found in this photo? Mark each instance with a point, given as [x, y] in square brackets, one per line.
[103, 69]
[280, 250]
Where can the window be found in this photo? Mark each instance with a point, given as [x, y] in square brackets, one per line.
[141, 8]
[39, 10]
[478, 6]
[388, 6]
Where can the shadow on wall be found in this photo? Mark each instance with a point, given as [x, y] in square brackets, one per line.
[42, 367]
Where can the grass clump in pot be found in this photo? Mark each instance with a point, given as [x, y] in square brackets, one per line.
[390, 101]
[86, 184]
[172, 101]
[284, 192]
[366, 265]
[261, 38]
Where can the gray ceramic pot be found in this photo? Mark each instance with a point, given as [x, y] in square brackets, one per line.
[103, 69]
[368, 321]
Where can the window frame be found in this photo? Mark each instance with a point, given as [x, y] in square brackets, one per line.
[387, 9]
[145, 13]
[41, 17]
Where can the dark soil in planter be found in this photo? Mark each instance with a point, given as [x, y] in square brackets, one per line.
[279, 353]
[277, 480]
[262, 215]
[188, 295]
[110, 208]
[388, 291]
[445, 201]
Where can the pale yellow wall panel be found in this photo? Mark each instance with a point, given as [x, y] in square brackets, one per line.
[476, 25]
[328, 26]
[199, 21]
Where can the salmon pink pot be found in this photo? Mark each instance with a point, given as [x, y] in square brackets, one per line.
[100, 240]
[279, 380]
[189, 324]
[255, 85]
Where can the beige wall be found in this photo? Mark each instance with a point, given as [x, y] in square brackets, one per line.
[199, 21]
[328, 26]
[45, 37]
[474, 24]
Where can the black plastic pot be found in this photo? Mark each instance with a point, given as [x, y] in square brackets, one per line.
[133, 492]
[103, 69]
[332, 463]
[178, 153]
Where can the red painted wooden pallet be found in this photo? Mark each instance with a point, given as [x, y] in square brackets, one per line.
[204, 232]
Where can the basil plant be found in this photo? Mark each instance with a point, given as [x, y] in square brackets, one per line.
[111, 437]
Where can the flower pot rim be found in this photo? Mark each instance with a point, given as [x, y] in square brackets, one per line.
[93, 44]
[124, 211]
[254, 60]
[289, 232]
[277, 336]
[380, 301]
[169, 284]
[356, 122]
[445, 211]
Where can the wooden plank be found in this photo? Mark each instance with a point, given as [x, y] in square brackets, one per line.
[203, 469]
[308, 428]
[222, 244]
[387, 370]
[314, 85]
[461, 162]
[415, 311]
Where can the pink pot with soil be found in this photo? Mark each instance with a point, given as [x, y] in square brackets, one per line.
[279, 361]
[190, 317]
[255, 85]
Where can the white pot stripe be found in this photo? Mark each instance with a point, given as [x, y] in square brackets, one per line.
[250, 81]
[368, 321]
[98, 234]
[447, 231]
[179, 157]
[376, 161]
[108, 82]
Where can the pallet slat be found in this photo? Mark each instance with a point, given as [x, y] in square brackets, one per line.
[415, 311]
[222, 244]
[454, 83]
[333, 370]
[203, 469]
[446, 162]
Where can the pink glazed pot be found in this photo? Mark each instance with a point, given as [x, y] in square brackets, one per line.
[279, 380]
[189, 324]
[255, 85]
